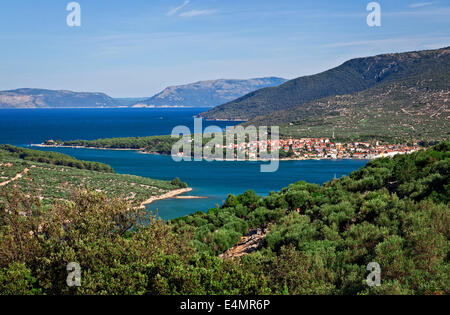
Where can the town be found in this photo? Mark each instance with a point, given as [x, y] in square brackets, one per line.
[317, 148]
[288, 148]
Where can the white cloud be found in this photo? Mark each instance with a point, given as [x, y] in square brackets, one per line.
[193, 13]
[173, 11]
[420, 4]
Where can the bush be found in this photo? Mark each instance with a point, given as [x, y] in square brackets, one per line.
[178, 183]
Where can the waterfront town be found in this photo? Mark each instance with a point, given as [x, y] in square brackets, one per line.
[289, 149]
[322, 148]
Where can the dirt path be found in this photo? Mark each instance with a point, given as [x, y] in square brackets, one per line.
[247, 245]
[19, 175]
[170, 194]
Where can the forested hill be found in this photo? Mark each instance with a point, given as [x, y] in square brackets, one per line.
[353, 76]
[53, 158]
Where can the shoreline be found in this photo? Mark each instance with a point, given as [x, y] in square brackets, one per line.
[168, 195]
[268, 160]
[80, 147]
[110, 107]
[224, 160]
[189, 197]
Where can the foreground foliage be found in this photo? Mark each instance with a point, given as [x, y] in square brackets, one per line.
[320, 240]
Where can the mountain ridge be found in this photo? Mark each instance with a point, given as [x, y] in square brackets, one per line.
[394, 112]
[352, 76]
[199, 94]
[208, 93]
[45, 98]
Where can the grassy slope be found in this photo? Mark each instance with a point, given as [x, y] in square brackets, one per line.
[58, 182]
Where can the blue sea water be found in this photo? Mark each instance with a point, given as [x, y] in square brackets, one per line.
[25, 126]
[214, 180]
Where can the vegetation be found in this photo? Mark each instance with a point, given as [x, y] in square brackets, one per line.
[53, 158]
[154, 144]
[394, 211]
[157, 144]
[50, 179]
[178, 183]
[394, 113]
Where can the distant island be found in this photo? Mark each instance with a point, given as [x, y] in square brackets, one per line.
[208, 93]
[41, 98]
[200, 94]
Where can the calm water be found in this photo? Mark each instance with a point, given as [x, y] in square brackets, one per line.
[214, 180]
[25, 126]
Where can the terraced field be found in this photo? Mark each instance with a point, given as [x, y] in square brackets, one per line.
[52, 182]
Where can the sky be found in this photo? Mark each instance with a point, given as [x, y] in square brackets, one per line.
[136, 48]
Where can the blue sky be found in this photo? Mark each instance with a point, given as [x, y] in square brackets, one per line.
[136, 48]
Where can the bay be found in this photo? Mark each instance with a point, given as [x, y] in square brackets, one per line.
[26, 126]
[213, 180]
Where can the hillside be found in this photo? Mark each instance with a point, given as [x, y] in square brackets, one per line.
[54, 158]
[53, 176]
[40, 98]
[402, 111]
[353, 76]
[311, 239]
[208, 93]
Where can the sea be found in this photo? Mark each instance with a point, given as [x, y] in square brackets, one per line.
[213, 181]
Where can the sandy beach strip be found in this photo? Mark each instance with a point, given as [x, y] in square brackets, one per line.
[170, 194]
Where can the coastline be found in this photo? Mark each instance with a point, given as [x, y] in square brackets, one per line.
[80, 147]
[170, 194]
[141, 151]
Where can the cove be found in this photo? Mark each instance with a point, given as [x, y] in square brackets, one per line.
[213, 180]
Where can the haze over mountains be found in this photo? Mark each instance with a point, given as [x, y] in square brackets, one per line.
[200, 94]
[208, 93]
